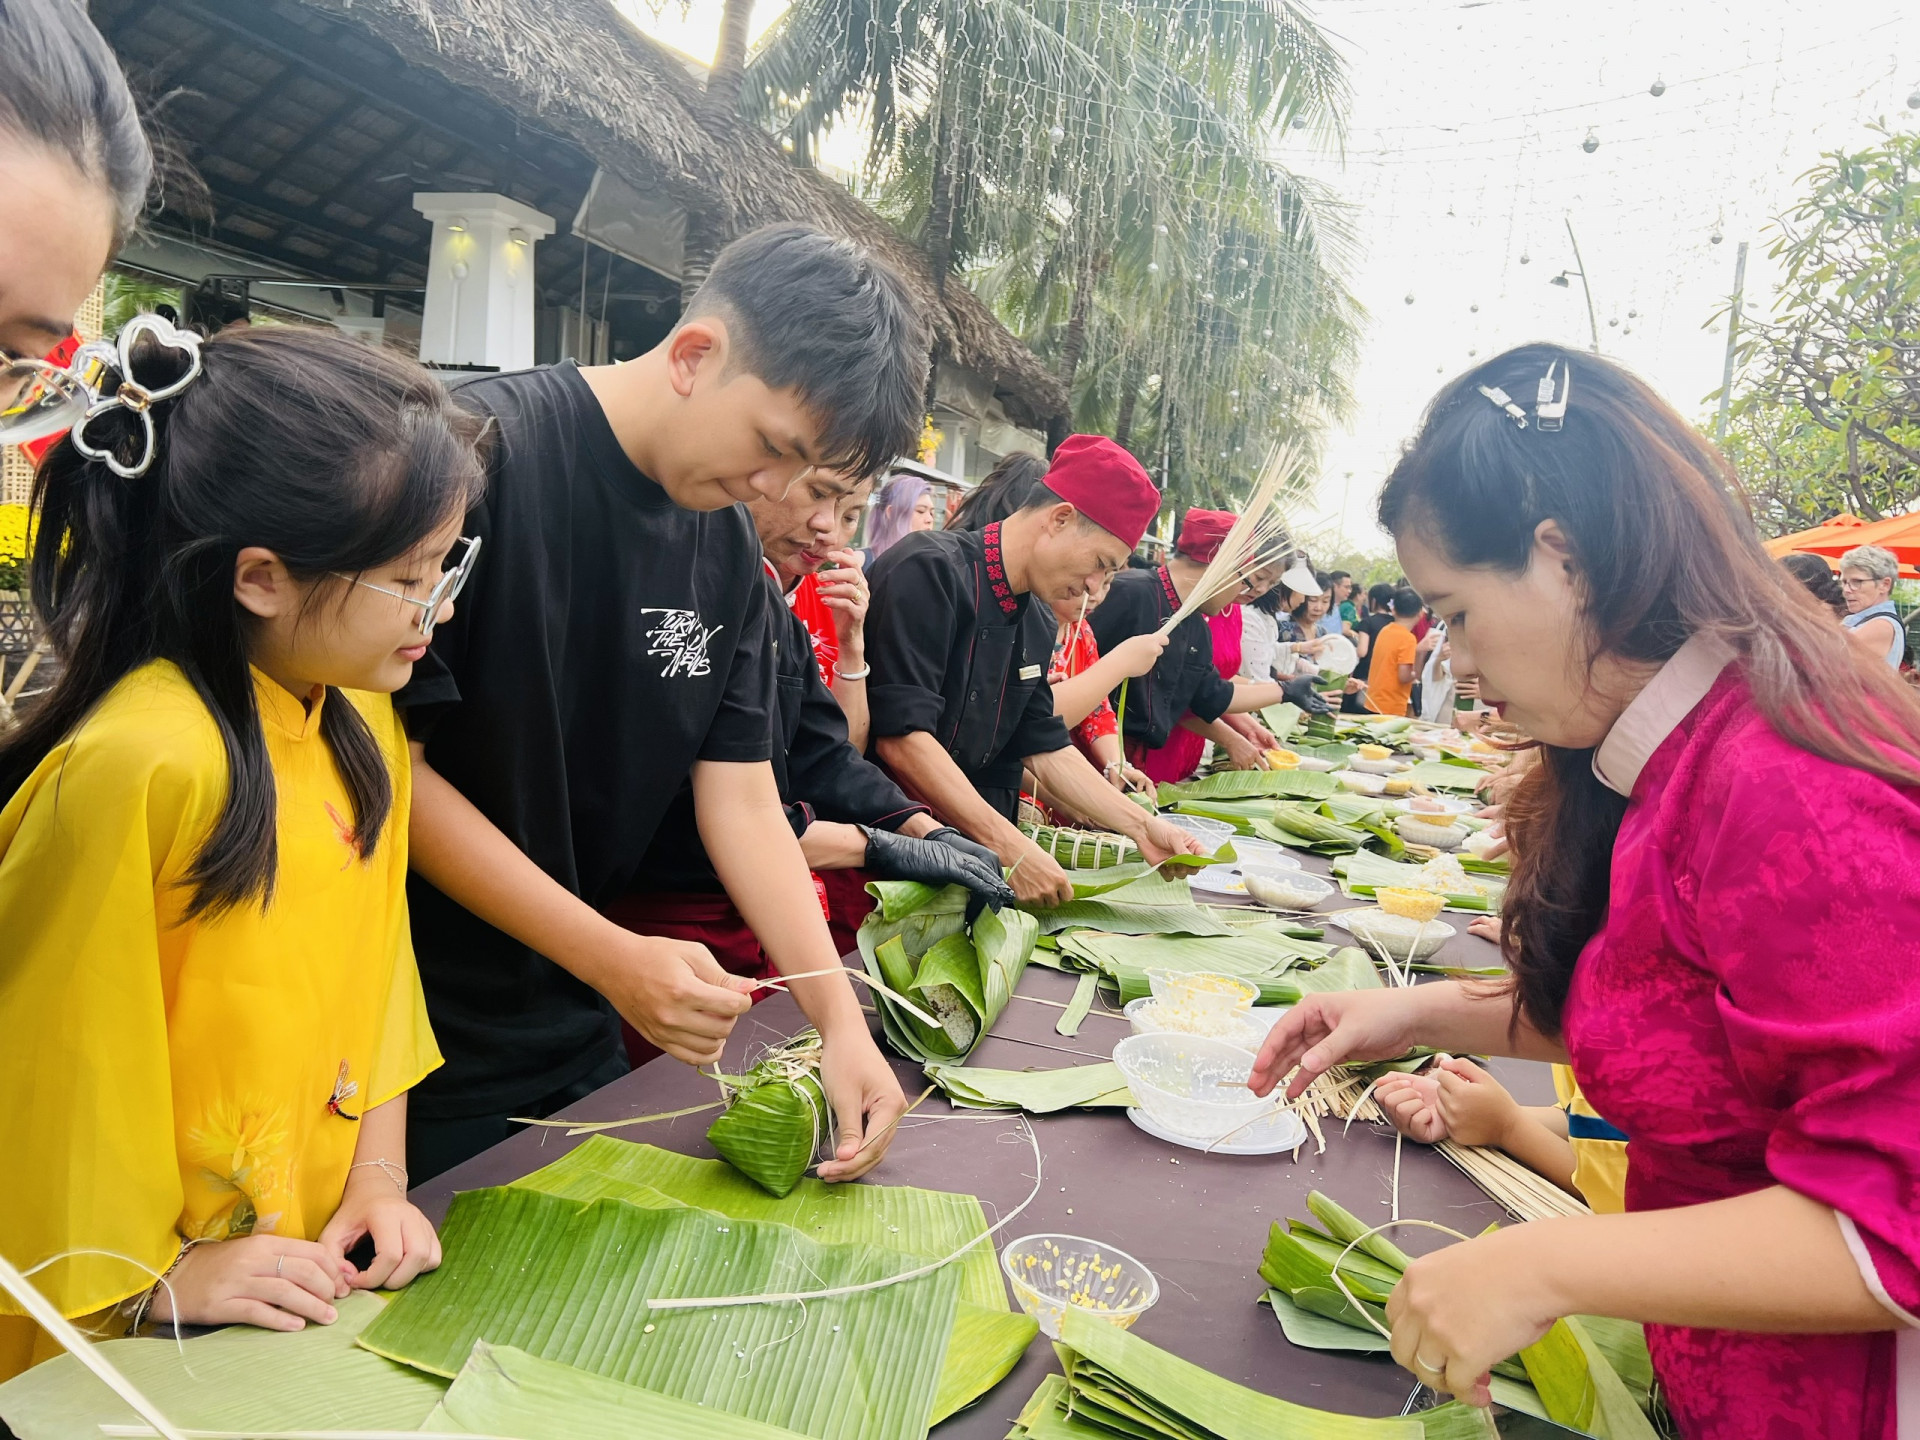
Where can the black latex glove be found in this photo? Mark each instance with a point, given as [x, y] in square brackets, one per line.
[947, 835]
[1299, 691]
[932, 862]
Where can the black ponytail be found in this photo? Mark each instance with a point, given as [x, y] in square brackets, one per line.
[61, 88]
[335, 456]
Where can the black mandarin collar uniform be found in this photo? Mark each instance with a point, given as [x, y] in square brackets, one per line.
[957, 654]
[821, 775]
[607, 641]
[1183, 678]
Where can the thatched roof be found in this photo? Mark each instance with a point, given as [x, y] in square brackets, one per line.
[580, 70]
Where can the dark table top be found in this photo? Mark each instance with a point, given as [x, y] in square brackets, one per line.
[1199, 1222]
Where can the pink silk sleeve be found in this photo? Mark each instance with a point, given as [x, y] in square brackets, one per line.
[1807, 902]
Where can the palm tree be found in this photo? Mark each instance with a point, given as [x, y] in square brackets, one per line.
[706, 230]
[1090, 168]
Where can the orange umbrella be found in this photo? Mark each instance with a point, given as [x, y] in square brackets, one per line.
[1900, 534]
[1833, 529]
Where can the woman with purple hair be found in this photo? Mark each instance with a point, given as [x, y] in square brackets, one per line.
[906, 505]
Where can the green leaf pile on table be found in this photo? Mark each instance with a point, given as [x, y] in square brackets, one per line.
[918, 943]
[1588, 1372]
[548, 1281]
[1116, 1386]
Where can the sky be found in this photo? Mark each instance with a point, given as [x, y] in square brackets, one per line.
[1464, 164]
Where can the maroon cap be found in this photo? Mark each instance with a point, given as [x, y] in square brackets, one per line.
[1201, 533]
[1104, 483]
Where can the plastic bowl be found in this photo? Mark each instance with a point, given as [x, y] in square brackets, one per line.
[1203, 993]
[1285, 889]
[1253, 851]
[1406, 940]
[1211, 834]
[1052, 1273]
[1191, 1085]
[1148, 1017]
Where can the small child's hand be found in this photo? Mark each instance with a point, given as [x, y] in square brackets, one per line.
[404, 1242]
[1412, 1103]
[1475, 1108]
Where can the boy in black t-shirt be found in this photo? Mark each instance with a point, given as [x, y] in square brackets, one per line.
[615, 642]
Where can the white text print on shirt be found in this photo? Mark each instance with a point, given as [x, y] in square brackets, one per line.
[680, 640]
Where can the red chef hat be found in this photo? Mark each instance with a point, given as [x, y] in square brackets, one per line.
[1105, 484]
[1201, 533]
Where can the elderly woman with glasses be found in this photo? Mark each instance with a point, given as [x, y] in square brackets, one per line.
[1867, 574]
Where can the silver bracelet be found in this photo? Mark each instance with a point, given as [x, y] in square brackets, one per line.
[860, 674]
[393, 1172]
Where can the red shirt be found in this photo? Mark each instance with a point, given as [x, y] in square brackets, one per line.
[805, 602]
[1073, 658]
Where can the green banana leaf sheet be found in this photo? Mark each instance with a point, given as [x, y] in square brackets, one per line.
[239, 1378]
[505, 1392]
[572, 1282]
[1039, 1092]
[988, 1339]
[1460, 776]
[1265, 959]
[918, 943]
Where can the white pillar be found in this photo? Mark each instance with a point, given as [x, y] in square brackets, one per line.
[480, 288]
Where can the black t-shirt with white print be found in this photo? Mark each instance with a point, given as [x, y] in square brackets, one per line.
[607, 640]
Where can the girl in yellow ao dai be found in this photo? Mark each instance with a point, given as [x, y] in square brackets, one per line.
[208, 1000]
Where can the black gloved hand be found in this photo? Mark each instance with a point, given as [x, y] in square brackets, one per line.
[932, 862]
[947, 835]
[1299, 691]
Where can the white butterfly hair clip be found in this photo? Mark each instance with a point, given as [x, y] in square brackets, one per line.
[135, 398]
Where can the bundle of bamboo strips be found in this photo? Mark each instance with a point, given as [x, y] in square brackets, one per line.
[1527, 1195]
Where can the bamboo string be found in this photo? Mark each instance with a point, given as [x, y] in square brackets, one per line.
[1366, 1314]
[594, 1127]
[716, 1302]
[49, 1318]
[781, 982]
[884, 1130]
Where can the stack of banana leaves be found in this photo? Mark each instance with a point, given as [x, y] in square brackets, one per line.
[1449, 772]
[541, 1316]
[1116, 1386]
[1588, 1372]
[1362, 874]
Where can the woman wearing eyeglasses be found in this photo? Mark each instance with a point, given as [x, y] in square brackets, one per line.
[1867, 574]
[74, 171]
[209, 1007]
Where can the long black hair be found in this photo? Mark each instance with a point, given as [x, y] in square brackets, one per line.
[1005, 491]
[61, 88]
[335, 456]
[1666, 549]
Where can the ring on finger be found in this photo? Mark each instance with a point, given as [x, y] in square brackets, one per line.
[278, 1263]
[1420, 1362]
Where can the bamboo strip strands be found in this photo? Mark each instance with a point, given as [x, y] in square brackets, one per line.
[1509, 1183]
[796, 1297]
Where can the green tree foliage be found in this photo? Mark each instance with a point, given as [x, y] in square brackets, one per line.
[1102, 175]
[1825, 413]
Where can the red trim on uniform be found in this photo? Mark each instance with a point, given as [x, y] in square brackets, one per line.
[997, 572]
[1166, 585]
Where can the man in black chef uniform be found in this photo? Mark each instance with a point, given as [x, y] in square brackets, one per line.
[1184, 684]
[959, 650]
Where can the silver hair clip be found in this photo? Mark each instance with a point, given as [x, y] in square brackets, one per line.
[1505, 402]
[135, 398]
[1547, 413]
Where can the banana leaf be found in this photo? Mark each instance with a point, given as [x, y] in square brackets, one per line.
[1302, 827]
[1080, 849]
[916, 941]
[571, 1283]
[1122, 918]
[234, 1379]
[1282, 719]
[1089, 884]
[1238, 813]
[1447, 774]
[1242, 785]
[1579, 1387]
[923, 1223]
[505, 1392]
[1354, 811]
[1085, 991]
[1334, 750]
[1348, 968]
[1313, 1331]
[1265, 960]
[1039, 1092]
[1112, 1373]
